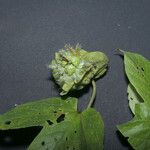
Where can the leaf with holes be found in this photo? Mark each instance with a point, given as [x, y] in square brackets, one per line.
[133, 98]
[37, 113]
[138, 71]
[76, 131]
[138, 129]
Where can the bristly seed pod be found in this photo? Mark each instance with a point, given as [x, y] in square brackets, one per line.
[74, 68]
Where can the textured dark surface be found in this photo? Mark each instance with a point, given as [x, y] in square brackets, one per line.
[31, 31]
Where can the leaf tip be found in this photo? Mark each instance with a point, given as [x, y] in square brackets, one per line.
[121, 52]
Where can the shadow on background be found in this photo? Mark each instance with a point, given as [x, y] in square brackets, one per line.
[18, 137]
[123, 140]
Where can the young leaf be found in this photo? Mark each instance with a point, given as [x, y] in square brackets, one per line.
[138, 129]
[37, 113]
[138, 71]
[133, 98]
[78, 131]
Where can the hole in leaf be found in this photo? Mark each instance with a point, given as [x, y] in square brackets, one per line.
[8, 122]
[60, 118]
[137, 67]
[66, 138]
[75, 131]
[49, 122]
[43, 143]
[131, 98]
[142, 68]
[55, 112]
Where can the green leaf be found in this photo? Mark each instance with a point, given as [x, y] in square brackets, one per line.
[133, 98]
[37, 113]
[63, 127]
[138, 129]
[138, 71]
[78, 131]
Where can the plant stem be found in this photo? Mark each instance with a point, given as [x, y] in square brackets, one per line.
[93, 94]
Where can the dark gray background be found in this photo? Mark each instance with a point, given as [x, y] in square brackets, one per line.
[31, 31]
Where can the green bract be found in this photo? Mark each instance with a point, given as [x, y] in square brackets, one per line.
[73, 68]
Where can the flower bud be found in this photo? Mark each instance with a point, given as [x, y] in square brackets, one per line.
[74, 68]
